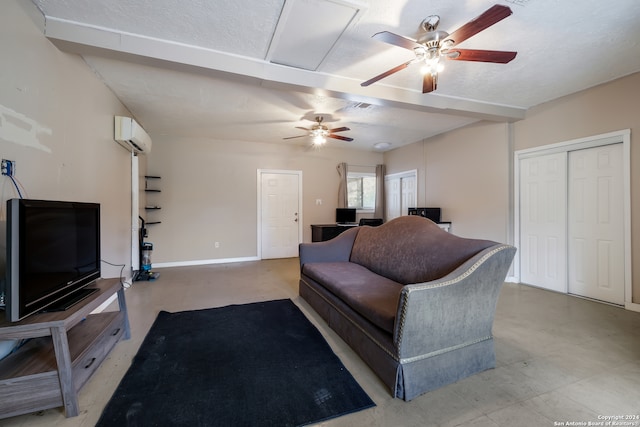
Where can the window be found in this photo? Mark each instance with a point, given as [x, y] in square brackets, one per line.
[361, 190]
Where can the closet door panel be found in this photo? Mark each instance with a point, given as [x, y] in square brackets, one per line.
[543, 212]
[596, 223]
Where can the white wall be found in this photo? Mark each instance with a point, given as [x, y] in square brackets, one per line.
[74, 156]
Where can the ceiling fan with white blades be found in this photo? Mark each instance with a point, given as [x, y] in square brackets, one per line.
[319, 132]
[434, 45]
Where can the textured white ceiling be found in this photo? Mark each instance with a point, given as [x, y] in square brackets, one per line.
[208, 68]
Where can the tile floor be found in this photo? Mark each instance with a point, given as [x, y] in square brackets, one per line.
[561, 359]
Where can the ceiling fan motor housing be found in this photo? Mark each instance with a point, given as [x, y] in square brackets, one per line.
[430, 23]
[432, 38]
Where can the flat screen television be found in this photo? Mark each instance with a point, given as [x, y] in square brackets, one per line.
[53, 253]
[345, 215]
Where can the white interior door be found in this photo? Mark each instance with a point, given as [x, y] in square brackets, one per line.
[409, 193]
[392, 198]
[596, 223]
[280, 214]
[401, 193]
[543, 217]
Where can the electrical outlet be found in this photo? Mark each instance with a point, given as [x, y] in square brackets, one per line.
[8, 167]
[217, 245]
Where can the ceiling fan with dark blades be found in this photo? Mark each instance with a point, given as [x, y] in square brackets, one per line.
[435, 44]
[319, 132]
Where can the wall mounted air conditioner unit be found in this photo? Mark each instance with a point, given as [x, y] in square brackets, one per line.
[131, 136]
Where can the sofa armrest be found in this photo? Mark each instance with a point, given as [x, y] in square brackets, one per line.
[454, 311]
[337, 249]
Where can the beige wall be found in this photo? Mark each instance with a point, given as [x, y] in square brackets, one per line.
[209, 193]
[210, 187]
[605, 108]
[468, 172]
[76, 158]
[474, 192]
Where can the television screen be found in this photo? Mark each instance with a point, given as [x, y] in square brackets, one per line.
[345, 215]
[53, 251]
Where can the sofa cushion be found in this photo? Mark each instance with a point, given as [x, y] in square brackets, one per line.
[412, 249]
[374, 297]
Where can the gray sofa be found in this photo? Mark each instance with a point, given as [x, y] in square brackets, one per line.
[415, 302]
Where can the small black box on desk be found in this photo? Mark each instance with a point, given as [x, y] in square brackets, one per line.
[431, 213]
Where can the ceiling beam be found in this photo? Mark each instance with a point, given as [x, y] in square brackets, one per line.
[75, 37]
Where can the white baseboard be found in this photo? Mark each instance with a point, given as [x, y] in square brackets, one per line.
[632, 306]
[105, 304]
[203, 262]
[112, 298]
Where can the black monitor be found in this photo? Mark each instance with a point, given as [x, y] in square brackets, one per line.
[345, 215]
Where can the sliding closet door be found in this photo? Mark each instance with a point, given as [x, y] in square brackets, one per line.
[543, 213]
[596, 223]
[573, 217]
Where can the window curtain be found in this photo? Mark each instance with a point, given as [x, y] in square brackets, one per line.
[380, 202]
[342, 188]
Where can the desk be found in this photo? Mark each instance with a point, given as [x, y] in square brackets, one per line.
[446, 226]
[324, 232]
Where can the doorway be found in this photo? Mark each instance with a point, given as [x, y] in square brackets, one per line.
[401, 193]
[279, 213]
[572, 217]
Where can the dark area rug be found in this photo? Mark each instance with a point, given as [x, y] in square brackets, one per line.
[260, 364]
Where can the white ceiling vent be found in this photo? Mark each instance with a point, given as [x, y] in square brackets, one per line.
[129, 134]
[308, 30]
[362, 105]
[358, 106]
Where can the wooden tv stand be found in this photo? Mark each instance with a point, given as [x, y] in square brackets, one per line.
[65, 349]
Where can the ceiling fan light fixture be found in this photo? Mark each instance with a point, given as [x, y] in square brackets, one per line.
[318, 140]
[446, 44]
[319, 135]
[432, 66]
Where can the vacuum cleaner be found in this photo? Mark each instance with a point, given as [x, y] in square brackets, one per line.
[146, 248]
